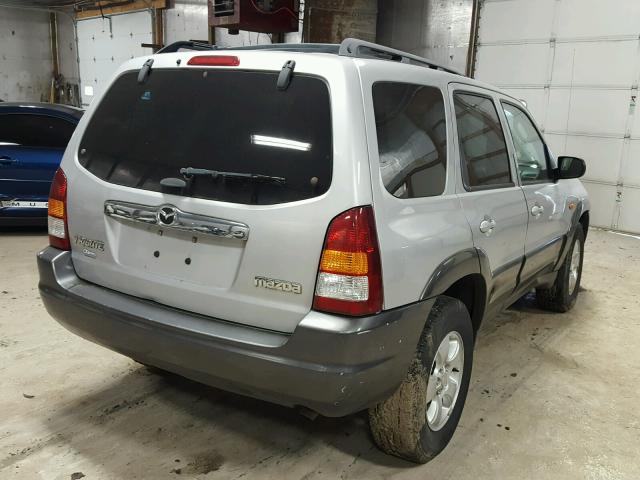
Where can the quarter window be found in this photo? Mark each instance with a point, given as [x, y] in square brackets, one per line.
[412, 138]
[483, 150]
[530, 152]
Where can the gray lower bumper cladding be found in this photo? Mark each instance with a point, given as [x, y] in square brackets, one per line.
[332, 365]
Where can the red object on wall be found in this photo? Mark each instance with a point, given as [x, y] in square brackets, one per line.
[266, 16]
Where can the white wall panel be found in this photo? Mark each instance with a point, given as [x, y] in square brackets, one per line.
[599, 111]
[556, 117]
[631, 167]
[603, 204]
[595, 63]
[628, 220]
[513, 64]
[577, 63]
[597, 18]
[634, 105]
[601, 154]
[104, 44]
[498, 24]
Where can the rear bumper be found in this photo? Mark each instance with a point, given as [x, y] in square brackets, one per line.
[330, 364]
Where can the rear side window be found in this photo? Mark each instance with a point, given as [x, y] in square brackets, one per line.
[412, 138]
[227, 121]
[483, 151]
[32, 130]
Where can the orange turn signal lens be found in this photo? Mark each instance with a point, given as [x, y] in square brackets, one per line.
[56, 208]
[344, 263]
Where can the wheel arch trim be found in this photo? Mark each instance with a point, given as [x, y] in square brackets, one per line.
[455, 267]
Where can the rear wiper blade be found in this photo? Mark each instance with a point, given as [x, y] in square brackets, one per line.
[189, 172]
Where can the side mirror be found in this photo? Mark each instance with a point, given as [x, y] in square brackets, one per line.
[570, 167]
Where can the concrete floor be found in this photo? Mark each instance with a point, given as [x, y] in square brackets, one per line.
[552, 397]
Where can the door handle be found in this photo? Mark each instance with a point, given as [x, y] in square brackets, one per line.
[487, 225]
[4, 160]
[537, 210]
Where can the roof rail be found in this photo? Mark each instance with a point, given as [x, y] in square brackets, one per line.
[289, 47]
[352, 47]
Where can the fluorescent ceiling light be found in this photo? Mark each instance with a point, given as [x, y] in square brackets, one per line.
[280, 143]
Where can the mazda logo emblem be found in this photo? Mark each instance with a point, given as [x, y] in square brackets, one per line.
[167, 215]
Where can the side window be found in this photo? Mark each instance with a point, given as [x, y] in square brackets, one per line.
[483, 151]
[412, 138]
[31, 130]
[530, 152]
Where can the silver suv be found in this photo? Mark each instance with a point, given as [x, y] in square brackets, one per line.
[320, 226]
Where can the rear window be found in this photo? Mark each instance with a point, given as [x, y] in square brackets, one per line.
[33, 130]
[228, 121]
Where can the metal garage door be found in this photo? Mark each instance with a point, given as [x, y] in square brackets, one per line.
[577, 64]
[103, 44]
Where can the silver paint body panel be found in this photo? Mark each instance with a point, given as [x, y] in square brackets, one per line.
[285, 241]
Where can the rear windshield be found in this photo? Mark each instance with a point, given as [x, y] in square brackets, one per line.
[227, 121]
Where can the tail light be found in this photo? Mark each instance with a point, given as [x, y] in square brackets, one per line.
[350, 277]
[57, 220]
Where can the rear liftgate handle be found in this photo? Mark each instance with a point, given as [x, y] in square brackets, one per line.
[487, 225]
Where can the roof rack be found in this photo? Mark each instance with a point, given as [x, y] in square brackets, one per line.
[350, 47]
[289, 47]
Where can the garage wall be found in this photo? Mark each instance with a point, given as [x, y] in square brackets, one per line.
[67, 51]
[104, 44]
[187, 20]
[25, 55]
[433, 29]
[577, 64]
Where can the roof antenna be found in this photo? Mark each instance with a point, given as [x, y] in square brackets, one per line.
[284, 79]
[144, 71]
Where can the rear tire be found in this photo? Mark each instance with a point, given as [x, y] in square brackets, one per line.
[562, 295]
[418, 421]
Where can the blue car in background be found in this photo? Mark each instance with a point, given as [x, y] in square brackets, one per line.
[33, 137]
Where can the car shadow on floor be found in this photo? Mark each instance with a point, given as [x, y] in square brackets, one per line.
[170, 417]
[153, 410]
